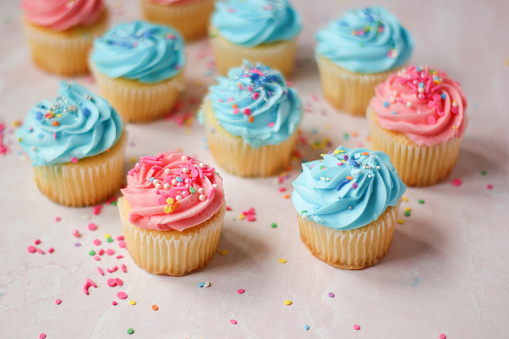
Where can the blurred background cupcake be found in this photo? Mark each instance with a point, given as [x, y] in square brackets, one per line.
[76, 144]
[261, 31]
[357, 52]
[189, 17]
[172, 213]
[61, 33]
[251, 118]
[418, 117]
[347, 205]
[139, 68]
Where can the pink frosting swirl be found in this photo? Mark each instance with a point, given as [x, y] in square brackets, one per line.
[424, 104]
[170, 2]
[60, 15]
[172, 191]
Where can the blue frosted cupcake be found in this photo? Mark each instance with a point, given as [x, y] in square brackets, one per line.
[251, 118]
[76, 143]
[261, 31]
[139, 68]
[356, 53]
[347, 204]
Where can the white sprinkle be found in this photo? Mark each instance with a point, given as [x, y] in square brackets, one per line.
[202, 197]
[184, 158]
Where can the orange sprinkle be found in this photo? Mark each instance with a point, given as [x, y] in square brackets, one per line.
[155, 308]
[56, 123]
[365, 153]
[251, 118]
[235, 106]
[108, 150]
[286, 196]
[354, 134]
[349, 178]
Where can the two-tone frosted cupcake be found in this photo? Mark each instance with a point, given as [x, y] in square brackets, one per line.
[61, 33]
[139, 68]
[251, 120]
[357, 52]
[255, 30]
[189, 17]
[172, 213]
[347, 204]
[76, 144]
[418, 117]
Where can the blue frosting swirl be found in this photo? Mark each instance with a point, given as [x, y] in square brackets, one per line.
[348, 189]
[250, 23]
[370, 40]
[76, 124]
[255, 102]
[140, 51]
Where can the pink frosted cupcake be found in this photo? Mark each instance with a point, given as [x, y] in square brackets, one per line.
[61, 33]
[418, 117]
[172, 213]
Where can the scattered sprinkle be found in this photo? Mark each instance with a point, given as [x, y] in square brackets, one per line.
[282, 261]
[241, 291]
[288, 302]
[130, 331]
[442, 336]
[57, 219]
[121, 295]
[407, 213]
[405, 199]
[420, 201]
[92, 226]
[457, 182]
[273, 225]
[490, 187]
[356, 327]
[32, 249]
[223, 252]
[132, 302]
[37, 242]
[331, 295]
[483, 173]
[306, 327]
[155, 308]
[42, 335]
[233, 321]
[58, 301]
[400, 221]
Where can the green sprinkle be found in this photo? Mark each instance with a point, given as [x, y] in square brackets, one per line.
[130, 331]
[407, 213]
[113, 203]
[109, 240]
[484, 173]
[192, 190]
[273, 225]
[346, 136]
[92, 252]
[420, 201]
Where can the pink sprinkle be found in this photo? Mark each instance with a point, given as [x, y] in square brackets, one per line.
[490, 187]
[42, 336]
[92, 226]
[457, 182]
[282, 189]
[111, 282]
[120, 237]
[228, 208]
[114, 303]
[121, 295]
[233, 321]
[250, 217]
[51, 250]
[113, 269]
[97, 258]
[442, 336]
[121, 244]
[256, 95]
[230, 99]
[76, 233]
[235, 111]
[247, 111]
[249, 88]
[58, 301]
[431, 120]
[124, 269]
[240, 291]
[97, 209]
[100, 271]
[40, 251]
[37, 242]
[314, 97]
[101, 252]
[57, 219]
[32, 249]
[74, 160]
[271, 124]
[97, 242]
[120, 256]
[119, 281]
[356, 327]
[109, 251]
[331, 295]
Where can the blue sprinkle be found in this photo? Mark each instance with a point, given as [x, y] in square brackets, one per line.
[444, 96]
[342, 183]
[315, 131]
[151, 179]
[201, 284]
[421, 84]
[386, 104]
[394, 112]
[86, 112]
[306, 327]
[40, 136]
[38, 115]
[353, 163]
[42, 106]
[418, 69]
[180, 179]
[147, 34]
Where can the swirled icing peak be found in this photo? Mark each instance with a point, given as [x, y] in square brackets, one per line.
[60, 15]
[140, 51]
[255, 102]
[250, 23]
[369, 40]
[171, 191]
[424, 104]
[75, 125]
[348, 189]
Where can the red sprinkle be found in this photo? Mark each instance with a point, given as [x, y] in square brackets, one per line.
[228, 208]
[124, 269]
[240, 291]
[97, 209]
[457, 182]
[490, 187]
[114, 303]
[37, 242]
[51, 250]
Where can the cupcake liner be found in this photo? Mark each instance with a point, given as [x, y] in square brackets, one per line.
[279, 55]
[347, 91]
[140, 102]
[88, 182]
[64, 53]
[190, 19]
[416, 165]
[172, 252]
[354, 249]
[237, 157]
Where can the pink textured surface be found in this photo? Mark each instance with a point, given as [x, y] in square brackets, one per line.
[446, 271]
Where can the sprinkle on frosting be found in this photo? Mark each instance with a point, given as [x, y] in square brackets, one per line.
[430, 106]
[369, 40]
[348, 189]
[172, 191]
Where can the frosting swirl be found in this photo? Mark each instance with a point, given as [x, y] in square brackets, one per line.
[250, 23]
[348, 189]
[255, 102]
[170, 2]
[76, 124]
[370, 40]
[141, 51]
[60, 15]
[172, 191]
[424, 104]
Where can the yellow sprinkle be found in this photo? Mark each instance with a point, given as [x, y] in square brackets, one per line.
[400, 221]
[506, 61]
[223, 252]
[107, 235]
[405, 199]
[168, 209]
[336, 151]
[188, 131]
[16, 123]
[133, 159]
[453, 127]
[19, 139]
[282, 260]
[242, 217]
[132, 302]
[169, 201]
[408, 209]
[288, 302]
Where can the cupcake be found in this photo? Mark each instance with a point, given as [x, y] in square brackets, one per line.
[261, 31]
[189, 17]
[251, 119]
[61, 33]
[139, 68]
[356, 53]
[76, 144]
[418, 117]
[172, 213]
[347, 205]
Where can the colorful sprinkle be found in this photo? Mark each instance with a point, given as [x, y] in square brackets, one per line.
[442, 336]
[490, 187]
[31, 249]
[273, 225]
[420, 201]
[306, 327]
[58, 301]
[457, 182]
[288, 302]
[282, 261]
[400, 221]
[130, 331]
[92, 226]
[223, 252]
[122, 295]
[356, 327]
[241, 291]
[331, 295]
[132, 302]
[155, 308]
[233, 321]
[483, 173]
